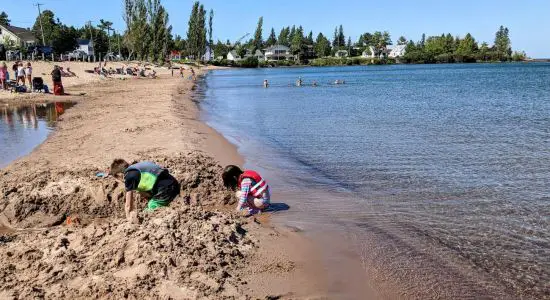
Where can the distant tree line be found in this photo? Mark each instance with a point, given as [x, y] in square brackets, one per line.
[148, 36]
[449, 49]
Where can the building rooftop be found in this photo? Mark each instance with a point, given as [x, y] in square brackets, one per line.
[22, 33]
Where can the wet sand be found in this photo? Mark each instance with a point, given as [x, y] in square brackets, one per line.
[64, 233]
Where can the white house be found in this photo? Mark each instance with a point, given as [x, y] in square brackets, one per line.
[398, 51]
[208, 54]
[278, 52]
[233, 56]
[86, 46]
[369, 52]
[341, 53]
[257, 54]
[16, 36]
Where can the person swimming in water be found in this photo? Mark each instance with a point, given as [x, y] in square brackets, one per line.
[299, 81]
[266, 83]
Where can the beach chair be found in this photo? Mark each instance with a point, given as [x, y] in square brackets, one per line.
[38, 84]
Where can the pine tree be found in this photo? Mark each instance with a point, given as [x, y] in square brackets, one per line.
[309, 39]
[292, 34]
[258, 40]
[335, 37]
[202, 32]
[341, 37]
[322, 46]
[284, 38]
[210, 23]
[192, 34]
[272, 39]
[298, 41]
[502, 43]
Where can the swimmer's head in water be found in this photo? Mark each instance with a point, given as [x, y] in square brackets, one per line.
[230, 176]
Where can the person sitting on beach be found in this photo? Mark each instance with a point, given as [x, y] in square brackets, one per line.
[252, 190]
[148, 179]
[71, 73]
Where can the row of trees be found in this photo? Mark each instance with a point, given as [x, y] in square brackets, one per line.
[447, 49]
[434, 49]
[148, 35]
[197, 33]
[63, 38]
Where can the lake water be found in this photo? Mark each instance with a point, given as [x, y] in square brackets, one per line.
[24, 127]
[438, 175]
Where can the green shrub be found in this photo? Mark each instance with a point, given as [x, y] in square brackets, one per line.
[346, 61]
[249, 62]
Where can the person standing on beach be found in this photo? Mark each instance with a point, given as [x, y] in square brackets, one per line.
[56, 78]
[148, 179]
[14, 69]
[28, 72]
[21, 74]
[3, 76]
[252, 190]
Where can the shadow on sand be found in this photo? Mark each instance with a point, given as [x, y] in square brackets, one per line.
[277, 207]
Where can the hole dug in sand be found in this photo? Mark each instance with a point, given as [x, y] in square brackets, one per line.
[183, 251]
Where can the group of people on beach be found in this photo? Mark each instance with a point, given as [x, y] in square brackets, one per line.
[160, 188]
[22, 73]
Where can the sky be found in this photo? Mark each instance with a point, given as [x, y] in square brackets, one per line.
[528, 20]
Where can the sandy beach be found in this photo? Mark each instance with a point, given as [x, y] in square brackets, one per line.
[63, 232]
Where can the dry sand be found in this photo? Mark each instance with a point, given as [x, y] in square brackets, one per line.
[63, 232]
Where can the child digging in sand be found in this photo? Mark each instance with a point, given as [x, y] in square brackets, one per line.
[252, 189]
[150, 180]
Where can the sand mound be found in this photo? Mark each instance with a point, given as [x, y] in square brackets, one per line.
[38, 197]
[186, 251]
[183, 254]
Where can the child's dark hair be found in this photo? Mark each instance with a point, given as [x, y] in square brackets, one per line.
[230, 176]
[118, 166]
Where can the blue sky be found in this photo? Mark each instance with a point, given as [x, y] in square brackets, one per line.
[528, 21]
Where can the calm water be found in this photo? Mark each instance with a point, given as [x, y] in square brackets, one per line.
[449, 165]
[24, 127]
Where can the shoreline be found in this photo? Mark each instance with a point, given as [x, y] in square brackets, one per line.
[97, 118]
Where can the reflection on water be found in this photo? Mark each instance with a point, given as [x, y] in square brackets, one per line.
[25, 127]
